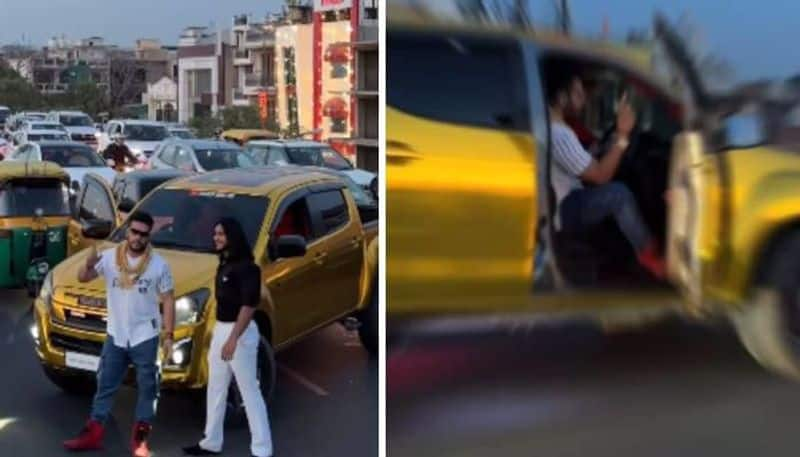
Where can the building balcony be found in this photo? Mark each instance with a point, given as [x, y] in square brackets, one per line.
[52, 88]
[241, 22]
[242, 57]
[255, 82]
[240, 99]
[257, 39]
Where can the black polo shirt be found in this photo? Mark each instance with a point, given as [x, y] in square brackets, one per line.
[237, 284]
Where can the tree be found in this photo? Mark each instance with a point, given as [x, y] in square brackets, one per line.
[128, 80]
[205, 125]
[240, 117]
[16, 92]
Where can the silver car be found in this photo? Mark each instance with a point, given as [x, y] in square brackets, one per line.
[199, 155]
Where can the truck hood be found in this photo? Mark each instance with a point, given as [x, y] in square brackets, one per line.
[190, 271]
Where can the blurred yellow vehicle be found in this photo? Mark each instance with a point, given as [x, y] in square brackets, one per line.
[318, 261]
[471, 235]
[242, 136]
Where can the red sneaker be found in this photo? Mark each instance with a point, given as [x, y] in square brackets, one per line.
[139, 439]
[90, 438]
[651, 260]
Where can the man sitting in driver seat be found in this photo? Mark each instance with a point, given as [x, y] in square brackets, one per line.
[579, 207]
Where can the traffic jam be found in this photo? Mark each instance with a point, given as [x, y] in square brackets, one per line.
[74, 193]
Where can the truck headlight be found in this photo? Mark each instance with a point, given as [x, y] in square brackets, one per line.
[46, 292]
[181, 355]
[189, 307]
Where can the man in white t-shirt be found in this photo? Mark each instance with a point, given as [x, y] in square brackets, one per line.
[579, 207]
[137, 280]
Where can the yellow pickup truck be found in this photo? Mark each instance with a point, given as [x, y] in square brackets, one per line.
[472, 236]
[314, 234]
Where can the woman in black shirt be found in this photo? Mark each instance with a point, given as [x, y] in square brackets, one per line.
[234, 343]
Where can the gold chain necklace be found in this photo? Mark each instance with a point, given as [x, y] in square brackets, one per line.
[129, 276]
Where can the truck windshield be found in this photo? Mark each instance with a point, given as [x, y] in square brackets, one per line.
[21, 198]
[185, 219]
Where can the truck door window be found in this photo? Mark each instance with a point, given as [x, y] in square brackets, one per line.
[331, 208]
[94, 205]
[295, 220]
[478, 81]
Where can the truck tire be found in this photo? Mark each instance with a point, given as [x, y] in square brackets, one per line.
[267, 375]
[368, 330]
[71, 384]
[769, 327]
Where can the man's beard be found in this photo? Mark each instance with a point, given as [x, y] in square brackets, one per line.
[137, 249]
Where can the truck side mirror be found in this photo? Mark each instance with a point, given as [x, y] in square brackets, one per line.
[290, 246]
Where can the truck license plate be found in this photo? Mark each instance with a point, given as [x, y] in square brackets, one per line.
[82, 361]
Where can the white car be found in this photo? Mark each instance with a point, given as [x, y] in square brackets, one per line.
[181, 132]
[34, 136]
[77, 159]
[199, 156]
[306, 153]
[141, 137]
[5, 113]
[78, 124]
[31, 125]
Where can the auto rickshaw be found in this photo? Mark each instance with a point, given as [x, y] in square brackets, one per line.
[34, 216]
[242, 136]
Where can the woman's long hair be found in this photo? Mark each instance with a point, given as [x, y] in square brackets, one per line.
[237, 247]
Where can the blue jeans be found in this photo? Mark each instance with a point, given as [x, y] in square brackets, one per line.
[583, 208]
[114, 363]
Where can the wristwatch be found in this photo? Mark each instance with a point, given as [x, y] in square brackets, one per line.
[622, 142]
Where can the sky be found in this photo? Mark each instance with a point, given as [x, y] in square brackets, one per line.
[120, 22]
[756, 36]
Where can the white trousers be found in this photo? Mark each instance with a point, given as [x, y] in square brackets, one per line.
[243, 368]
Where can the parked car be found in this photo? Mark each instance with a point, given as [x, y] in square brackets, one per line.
[130, 188]
[181, 131]
[30, 125]
[242, 136]
[141, 137]
[304, 230]
[199, 156]
[306, 153]
[78, 124]
[77, 159]
[5, 113]
[15, 121]
[33, 136]
[5, 148]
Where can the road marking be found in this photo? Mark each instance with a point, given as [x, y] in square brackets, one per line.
[308, 384]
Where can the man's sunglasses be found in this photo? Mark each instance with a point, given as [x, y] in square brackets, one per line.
[139, 232]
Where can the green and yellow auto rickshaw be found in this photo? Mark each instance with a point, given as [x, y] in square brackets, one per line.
[34, 216]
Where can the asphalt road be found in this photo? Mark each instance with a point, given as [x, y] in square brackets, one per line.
[325, 403]
[666, 390]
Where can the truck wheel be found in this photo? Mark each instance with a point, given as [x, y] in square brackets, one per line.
[368, 331]
[769, 327]
[71, 384]
[267, 374]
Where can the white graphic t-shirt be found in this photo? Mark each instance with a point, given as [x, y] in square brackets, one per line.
[133, 314]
